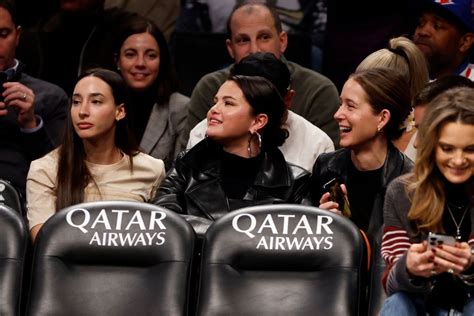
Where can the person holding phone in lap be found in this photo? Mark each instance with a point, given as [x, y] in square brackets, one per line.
[373, 104]
[433, 276]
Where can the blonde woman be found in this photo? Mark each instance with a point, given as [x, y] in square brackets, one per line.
[438, 198]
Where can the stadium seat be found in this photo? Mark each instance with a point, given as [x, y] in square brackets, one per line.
[13, 245]
[9, 196]
[112, 258]
[281, 260]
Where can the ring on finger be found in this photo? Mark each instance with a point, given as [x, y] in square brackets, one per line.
[24, 96]
[451, 270]
[433, 272]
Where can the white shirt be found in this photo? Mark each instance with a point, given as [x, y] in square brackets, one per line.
[302, 147]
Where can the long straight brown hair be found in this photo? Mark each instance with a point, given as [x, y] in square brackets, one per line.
[72, 174]
[426, 186]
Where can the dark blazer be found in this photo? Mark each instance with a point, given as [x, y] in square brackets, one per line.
[17, 148]
[193, 187]
[335, 165]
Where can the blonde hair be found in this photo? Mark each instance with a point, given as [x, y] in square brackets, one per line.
[426, 187]
[404, 56]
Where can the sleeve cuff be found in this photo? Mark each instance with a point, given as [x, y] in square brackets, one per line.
[39, 125]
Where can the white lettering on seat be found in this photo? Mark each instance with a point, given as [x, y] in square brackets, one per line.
[287, 231]
[150, 232]
[103, 219]
[322, 222]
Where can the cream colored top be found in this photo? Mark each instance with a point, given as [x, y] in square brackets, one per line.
[114, 182]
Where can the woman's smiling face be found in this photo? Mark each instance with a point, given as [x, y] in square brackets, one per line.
[358, 124]
[139, 61]
[455, 152]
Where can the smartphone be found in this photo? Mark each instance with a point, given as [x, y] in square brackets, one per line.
[3, 79]
[435, 240]
[337, 195]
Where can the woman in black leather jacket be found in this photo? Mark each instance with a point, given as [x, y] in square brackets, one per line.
[239, 163]
[373, 104]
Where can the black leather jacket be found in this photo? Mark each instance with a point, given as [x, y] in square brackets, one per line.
[193, 187]
[335, 165]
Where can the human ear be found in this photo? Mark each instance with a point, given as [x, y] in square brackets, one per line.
[467, 41]
[120, 112]
[259, 122]
[230, 50]
[283, 36]
[288, 98]
[384, 118]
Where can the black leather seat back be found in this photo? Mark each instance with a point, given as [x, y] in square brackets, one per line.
[281, 260]
[112, 258]
[9, 196]
[13, 245]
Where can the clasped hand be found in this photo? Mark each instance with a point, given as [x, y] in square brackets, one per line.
[21, 99]
[424, 262]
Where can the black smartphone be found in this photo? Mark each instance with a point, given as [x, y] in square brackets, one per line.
[3, 79]
[337, 195]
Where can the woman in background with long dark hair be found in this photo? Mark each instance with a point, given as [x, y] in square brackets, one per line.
[158, 110]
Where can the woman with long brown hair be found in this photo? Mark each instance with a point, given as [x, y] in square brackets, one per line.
[98, 159]
[424, 276]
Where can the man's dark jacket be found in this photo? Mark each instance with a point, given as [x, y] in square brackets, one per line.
[17, 148]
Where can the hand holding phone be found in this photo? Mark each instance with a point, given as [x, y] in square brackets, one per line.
[337, 195]
[435, 240]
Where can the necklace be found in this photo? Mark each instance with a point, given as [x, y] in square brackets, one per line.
[458, 226]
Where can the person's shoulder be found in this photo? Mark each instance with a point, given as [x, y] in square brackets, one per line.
[178, 100]
[201, 156]
[145, 165]
[215, 77]
[48, 161]
[145, 159]
[298, 71]
[341, 153]
[308, 130]
[399, 158]
[297, 172]
[399, 184]
[177, 105]
[41, 85]
[199, 130]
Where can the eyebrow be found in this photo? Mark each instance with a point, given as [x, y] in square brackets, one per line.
[228, 97]
[94, 94]
[441, 143]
